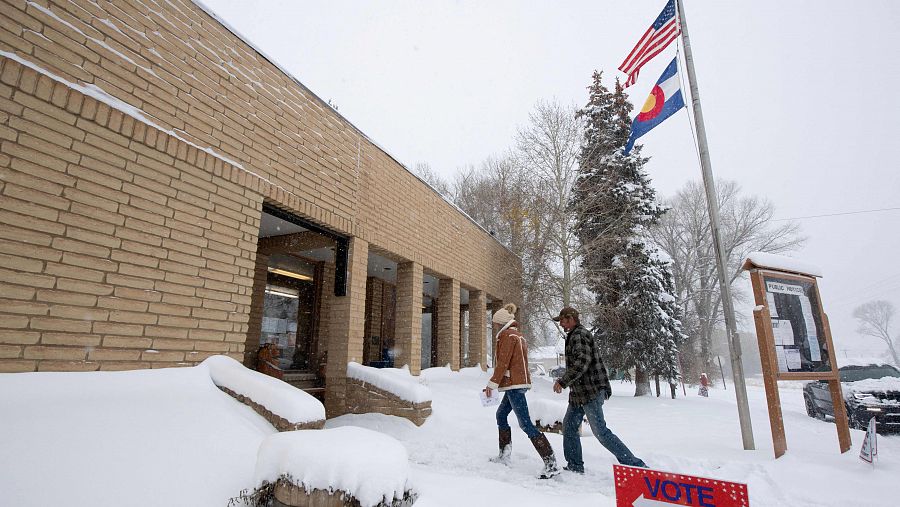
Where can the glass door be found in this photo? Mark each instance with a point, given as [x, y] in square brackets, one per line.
[279, 322]
[289, 311]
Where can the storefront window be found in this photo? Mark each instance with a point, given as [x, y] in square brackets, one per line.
[289, 311]
[279, 323]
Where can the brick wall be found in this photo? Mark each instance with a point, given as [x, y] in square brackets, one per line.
[364, 398]
[277, 421]
[120, 246]
[191, 75]
[129, 243]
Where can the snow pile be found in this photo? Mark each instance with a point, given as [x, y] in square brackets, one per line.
[371, 466]
[278, 397]
[871, 385]
[470, 371]
[781, 263]
[170, 437]
[140, 438]
[548, 411]
[397, 381]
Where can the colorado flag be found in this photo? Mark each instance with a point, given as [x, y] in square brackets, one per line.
[664, 100]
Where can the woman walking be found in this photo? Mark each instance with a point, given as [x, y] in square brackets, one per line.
[511, 377]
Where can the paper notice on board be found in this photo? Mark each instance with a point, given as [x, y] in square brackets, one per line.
[781, 359]
[812, 339]
[770, 299]
[792, 357]
[783, 332]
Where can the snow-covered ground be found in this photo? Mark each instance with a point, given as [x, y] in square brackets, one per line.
[170, 437]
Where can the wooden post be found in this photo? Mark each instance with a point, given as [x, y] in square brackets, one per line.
[837, 396]
[770, 380]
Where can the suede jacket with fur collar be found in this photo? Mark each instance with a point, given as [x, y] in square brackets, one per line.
[510, 360]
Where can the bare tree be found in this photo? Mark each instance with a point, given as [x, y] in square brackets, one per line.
[503, 198]
[548, 150]
[521, 198]
[684, 234]
[424, 171]
[875, 320]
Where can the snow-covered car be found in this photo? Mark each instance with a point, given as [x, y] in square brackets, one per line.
[869, 391]
[558, 372]
[537, 369]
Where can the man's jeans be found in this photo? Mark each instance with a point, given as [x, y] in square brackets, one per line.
[514, 401]
[572, 441]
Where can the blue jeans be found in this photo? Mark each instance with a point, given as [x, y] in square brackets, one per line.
[514, 401]
[572, 441]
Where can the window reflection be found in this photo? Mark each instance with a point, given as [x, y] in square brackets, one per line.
[279, 322]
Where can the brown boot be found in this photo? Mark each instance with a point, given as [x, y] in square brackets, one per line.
[505, 442]
[542, 445]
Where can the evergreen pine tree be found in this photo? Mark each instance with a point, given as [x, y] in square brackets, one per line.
[613, 202]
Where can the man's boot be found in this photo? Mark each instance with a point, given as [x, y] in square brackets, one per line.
[542, 445]
[505, 448]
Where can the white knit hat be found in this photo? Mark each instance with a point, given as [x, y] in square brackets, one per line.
[505, 314]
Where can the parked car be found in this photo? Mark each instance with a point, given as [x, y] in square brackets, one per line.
[869, 391]
[537, 369]
[558, 372]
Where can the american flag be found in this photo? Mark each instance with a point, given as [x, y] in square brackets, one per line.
[663, 31]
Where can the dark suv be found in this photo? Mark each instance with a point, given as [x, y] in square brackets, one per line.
[869, 391]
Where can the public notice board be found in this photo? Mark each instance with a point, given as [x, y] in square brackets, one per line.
[642, 487]
[800, 342]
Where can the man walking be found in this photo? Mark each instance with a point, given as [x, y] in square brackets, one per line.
[589, 387]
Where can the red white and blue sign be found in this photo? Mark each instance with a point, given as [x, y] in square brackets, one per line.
[869, 449]
[642, 487]
[664, 100]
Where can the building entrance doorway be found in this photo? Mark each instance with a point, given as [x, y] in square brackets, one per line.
[294, 282]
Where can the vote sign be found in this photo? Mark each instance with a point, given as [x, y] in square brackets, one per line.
[640, 487]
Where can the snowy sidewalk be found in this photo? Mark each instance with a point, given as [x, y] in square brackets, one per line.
[689, 435]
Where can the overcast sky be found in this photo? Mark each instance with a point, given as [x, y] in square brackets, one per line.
[799, 100]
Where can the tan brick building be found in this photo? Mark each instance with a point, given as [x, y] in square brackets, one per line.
[168, 193]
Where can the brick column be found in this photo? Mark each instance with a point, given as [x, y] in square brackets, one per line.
[408, 340]
[257, 303]
[477, 328]
[345, 336]
[448, 323]
[493, 307]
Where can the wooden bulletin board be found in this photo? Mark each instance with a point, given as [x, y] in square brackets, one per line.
[794, 343]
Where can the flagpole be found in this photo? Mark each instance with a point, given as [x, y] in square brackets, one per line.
[734, 344]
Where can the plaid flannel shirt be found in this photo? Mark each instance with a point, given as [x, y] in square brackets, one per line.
[586, 375]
